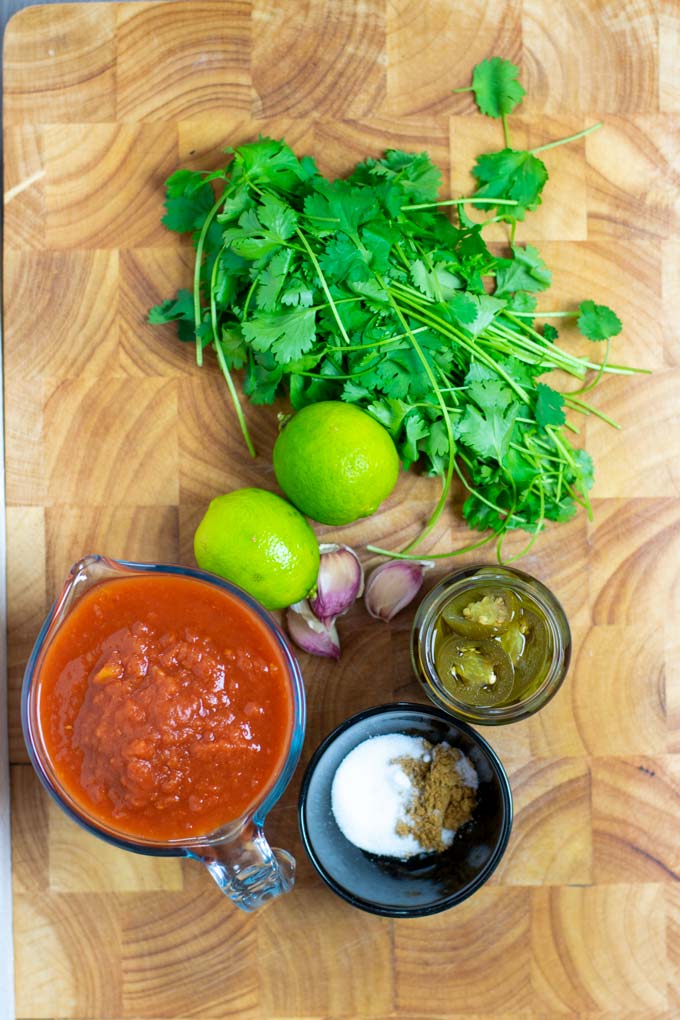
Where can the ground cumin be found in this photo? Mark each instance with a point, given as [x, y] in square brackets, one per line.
[441, 799]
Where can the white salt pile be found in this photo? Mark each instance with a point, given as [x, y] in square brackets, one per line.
[371, 794]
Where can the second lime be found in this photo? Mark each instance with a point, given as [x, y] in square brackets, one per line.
[335, 462]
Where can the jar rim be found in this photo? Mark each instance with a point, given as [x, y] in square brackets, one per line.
[422, 640]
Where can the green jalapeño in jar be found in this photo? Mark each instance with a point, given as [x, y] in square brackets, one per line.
[490, 644]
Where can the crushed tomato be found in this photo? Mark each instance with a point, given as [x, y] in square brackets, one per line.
[165, 705]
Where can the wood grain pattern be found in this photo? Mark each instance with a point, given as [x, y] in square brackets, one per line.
[116, 442]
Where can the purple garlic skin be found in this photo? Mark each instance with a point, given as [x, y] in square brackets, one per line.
[392, 586]
[339, 584]
[311, 634]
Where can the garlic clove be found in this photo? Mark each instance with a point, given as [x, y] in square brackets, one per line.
[392, 586]
[340, 581]
[311, 634]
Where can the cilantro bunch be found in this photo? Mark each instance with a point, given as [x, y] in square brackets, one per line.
[363, 290]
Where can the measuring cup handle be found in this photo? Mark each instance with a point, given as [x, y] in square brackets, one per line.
[249, 871]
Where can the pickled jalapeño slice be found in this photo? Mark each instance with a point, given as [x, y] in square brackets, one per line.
[476, 671]
[485, 614]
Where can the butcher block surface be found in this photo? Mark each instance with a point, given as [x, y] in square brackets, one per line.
[116, 442]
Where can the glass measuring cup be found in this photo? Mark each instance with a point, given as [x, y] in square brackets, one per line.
[237, 854]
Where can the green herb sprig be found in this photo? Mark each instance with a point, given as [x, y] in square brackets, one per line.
[363, 290]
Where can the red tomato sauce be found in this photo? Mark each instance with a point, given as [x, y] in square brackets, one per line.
[165, 705]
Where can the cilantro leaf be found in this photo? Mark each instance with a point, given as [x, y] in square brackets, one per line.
[339, 203]
[521, 301]
[549, 406]
[417, 176]
[487, 432]
[378, 238]
[354, 392]
[390, 413]
[436, 283]
[463, 308]
[511, 174]
[187, 201]
[525, 271]
[486, 310]
[234, 348]
[393, 378]
[342, 260]
[263, 231]
[516, 370]
[435, 446]
[272, 279]
[495, 85]
[524, 472]
[179, 309]
[304, 391]
[298, 293]
[185, 183]
[597, 322]
[490, 394]
[586, 468]
[287, 335]
[278, 217]
[415, 428]
[270, 163]
[233, 206]
[562, 511]
[262, 378]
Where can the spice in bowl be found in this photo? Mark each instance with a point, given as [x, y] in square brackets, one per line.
[398, 796]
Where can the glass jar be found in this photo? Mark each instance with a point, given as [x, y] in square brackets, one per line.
[544, 677]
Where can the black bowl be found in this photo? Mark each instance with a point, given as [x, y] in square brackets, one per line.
[427, 883]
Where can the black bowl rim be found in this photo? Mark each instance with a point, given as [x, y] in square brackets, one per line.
[454, 899]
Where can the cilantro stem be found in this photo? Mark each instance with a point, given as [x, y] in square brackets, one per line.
[475, 492]
[600, 372]
[459, 201]
[545, 315]
[569, 138]
[577, 499]
[434, 556]
[324, 285]
[559, 357]
[614, 369]
[222, 361]
[405, 261]
[506, 132]
[570, 459]
[246, 303]
[537, 530]
[332, 378]
[377, 343]
[547, 352]
[434, 321]
[447, 421]
[580, 405]
[200, 244]
[527, 450]
[566, 452]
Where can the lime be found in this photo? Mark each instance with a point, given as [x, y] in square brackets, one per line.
[261, 543]
[335, 462]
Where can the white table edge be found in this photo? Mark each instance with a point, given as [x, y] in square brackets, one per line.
[6, 943]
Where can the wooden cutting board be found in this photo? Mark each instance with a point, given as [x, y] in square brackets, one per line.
[116, 442]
